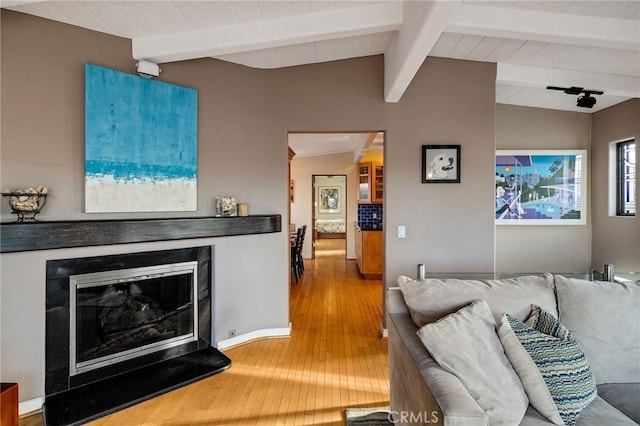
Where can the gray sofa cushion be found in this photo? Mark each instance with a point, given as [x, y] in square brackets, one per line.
[604, 317]
[598, 413]
[534, 418]
[624, 396]
[432, 299]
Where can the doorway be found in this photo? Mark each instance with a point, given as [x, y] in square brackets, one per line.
[330, 154]
[329, 215]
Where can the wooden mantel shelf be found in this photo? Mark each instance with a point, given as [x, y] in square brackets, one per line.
[16, 237]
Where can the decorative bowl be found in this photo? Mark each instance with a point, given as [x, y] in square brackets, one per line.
[26, 204]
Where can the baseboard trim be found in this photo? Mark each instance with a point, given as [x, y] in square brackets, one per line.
[253, 335]
[384, 333]
[30, 406]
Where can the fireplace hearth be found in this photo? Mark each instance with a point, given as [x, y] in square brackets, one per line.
[124, 328]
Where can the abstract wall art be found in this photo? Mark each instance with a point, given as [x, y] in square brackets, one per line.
[140, 143]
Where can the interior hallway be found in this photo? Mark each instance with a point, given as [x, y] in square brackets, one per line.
[332, 248]
[333, 360]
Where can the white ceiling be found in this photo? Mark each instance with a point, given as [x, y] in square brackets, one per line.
[585, 43]
[313, 144]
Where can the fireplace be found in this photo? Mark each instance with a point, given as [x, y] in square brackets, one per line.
[123, 314]
[139, 321]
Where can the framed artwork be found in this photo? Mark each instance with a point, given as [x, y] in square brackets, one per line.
[291, 191]
[541, 187]
[329, 199]
[440, 163]
[140, 144]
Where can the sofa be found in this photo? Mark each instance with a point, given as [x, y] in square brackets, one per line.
[431, 383]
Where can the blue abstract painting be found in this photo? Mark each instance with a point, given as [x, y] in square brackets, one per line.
[140, 143]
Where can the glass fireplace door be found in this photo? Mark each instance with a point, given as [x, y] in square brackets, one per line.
[119, 315]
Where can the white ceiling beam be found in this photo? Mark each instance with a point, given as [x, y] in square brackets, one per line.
[291, 30]
[11, 3]
[362, 143]
[610, 84]
[422, 24]
[550, 27]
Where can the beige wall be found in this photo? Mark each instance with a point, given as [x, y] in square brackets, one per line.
[556, 248]
[615, 239]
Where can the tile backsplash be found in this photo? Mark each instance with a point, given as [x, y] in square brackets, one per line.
[370, 216]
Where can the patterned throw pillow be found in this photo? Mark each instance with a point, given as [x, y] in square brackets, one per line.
[559, 361]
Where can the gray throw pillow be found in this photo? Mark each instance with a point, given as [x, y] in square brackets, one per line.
[605, 318]
[465, 343]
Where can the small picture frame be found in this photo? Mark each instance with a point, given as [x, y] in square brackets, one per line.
[329, 199]
[440, 163]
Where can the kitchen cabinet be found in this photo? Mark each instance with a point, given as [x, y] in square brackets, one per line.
[377, 183]
[370, 183]
[369, 253]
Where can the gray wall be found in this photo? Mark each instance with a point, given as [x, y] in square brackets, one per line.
[240, 153]
[557, 248]
[244, 117]
[615, 239]
[448, 102]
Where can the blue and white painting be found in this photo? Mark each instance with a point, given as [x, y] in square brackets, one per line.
[540, 187]
[140, 144]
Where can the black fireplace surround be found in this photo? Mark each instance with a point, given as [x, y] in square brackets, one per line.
[77, 397]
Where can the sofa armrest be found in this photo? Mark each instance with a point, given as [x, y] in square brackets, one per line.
[422, 392]
[395, 303]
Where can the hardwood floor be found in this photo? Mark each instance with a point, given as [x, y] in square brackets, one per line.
[333, 360]
[334, 248]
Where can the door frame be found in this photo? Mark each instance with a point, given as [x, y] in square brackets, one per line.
[314, 233]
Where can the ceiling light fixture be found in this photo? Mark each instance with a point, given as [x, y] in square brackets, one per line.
[584, 101]
[148, 69]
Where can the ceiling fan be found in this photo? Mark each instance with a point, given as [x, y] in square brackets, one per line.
[584, 101]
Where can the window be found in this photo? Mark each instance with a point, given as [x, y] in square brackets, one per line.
[626, 178]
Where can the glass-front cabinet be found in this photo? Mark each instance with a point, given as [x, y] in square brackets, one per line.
[364, 180]
[378, 183]
[370, 183]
